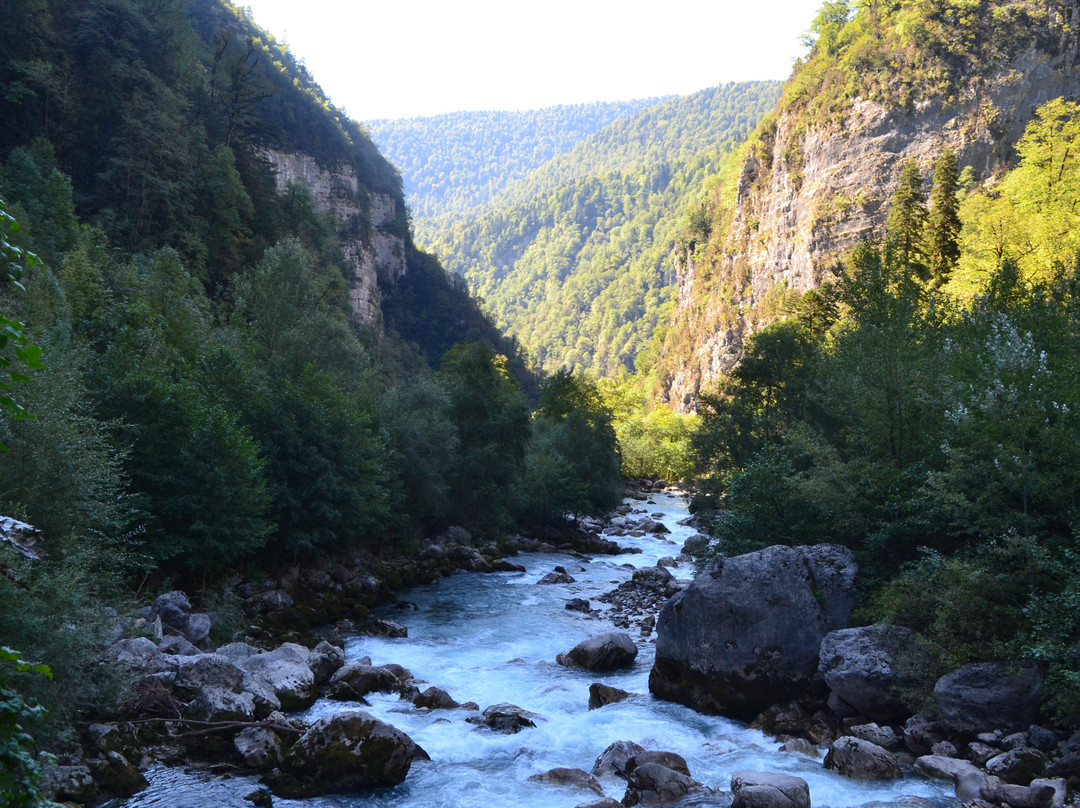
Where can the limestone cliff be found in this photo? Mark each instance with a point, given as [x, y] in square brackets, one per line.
[368, 227]
[811, 186]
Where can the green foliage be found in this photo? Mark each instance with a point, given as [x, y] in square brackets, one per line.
[19, 771]
[575, 259]
[654, 442]
[943, 235]
[572, 459]
[907, 219]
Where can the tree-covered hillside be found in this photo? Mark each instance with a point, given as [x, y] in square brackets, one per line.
[185, 388]
[575, 260]
[461, 160]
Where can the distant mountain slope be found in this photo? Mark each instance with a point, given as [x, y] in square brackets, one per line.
[575, 260]
[461, 160]
[883, 83]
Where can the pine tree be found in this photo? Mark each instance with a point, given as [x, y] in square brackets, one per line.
[907, 220]
[943, 237]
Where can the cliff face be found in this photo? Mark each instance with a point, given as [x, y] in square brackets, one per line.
[807, 194]
[366, 226]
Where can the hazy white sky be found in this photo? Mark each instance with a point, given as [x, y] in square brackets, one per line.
[407, 58]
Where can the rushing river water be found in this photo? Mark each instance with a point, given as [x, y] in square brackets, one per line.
[494, 638]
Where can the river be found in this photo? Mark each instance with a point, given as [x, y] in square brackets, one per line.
[494, 638]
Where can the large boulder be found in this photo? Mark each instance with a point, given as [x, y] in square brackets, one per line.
[769, 790]
[215, 704]
[987, 696]
[574, 778]
[325, 660]
[285, 671]
[259, 747]
[656, 784]
[604, 652]
[507, 719]
[614, 759]
[866, 667]
[747, 632]
[352, 751]
[601, 695]
[862, 760]
[356, 679]
[196, 673]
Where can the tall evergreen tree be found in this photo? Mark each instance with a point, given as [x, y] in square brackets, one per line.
[943, 236]
[907, 220]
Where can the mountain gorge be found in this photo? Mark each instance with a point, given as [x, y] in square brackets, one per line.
[574, 260]
[883, 84]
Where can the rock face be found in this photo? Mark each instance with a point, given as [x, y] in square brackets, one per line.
[987, 696]
[371, 251]
[351, 751]
[809, 191]
[604, 652]
[747, 632]
[863, 669]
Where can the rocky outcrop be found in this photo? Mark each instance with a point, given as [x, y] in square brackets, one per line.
[810, 189]
[747, 632]
[352, 751]
[604, 652]
[368, 227]
[985, 696]
[865, 669]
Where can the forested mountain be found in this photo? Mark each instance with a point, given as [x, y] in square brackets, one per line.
[460, 160]
[221, 349]
[574, 260]
[884, 83]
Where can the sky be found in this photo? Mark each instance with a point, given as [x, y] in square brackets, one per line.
[414, 58]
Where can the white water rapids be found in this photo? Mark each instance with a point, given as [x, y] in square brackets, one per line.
[494, 638]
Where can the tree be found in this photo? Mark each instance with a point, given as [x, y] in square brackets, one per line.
[943, 236]
[907, 220]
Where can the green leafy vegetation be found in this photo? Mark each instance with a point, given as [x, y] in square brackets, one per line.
[210, 405]
[575, 260]
[926, 418]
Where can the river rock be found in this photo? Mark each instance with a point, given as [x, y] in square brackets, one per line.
[118, 775]
[671, 760]
[217, 704]
[508, 719]
[885, 737]
[600, 695]
[650, 526]
[920, 735]
[614, 758]
[69, 784]
[969, 779]
[575, 778]
[577, 605]
[989, 695]
[747, 632]
[388, 628]
[656, 579]
[606, 802]
[557, 578]
[604, 652]
[769, 790]
[862, 760]
[435, 698]
[356, 679]
[351, 751]
[177, 645]
[272, 601]
[656, 784]
[142, 655]
[285, 671]
[259, 747]
[196, 673]
[862, 668]
[1020, 765]
[325, 660]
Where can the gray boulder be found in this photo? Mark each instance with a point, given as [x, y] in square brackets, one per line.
[600, 695]
[69, 784]
[747, 632]
[356, 679]
[986, 696]
[671, 760]
[557, 578]
[865, 667]
[507, 719]
[259, 747]
[140, 654]
[435, 698]
[769, 790]
[196, 673]
[285, 671]
[352, 751]
[176, 645]
[614, 759]
[862, 760]
[604, 652]
[885, 737]
[216, 704]
[1020, 765]
[575, 778]
[325, 660]
[656, 784]
[604, 802]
